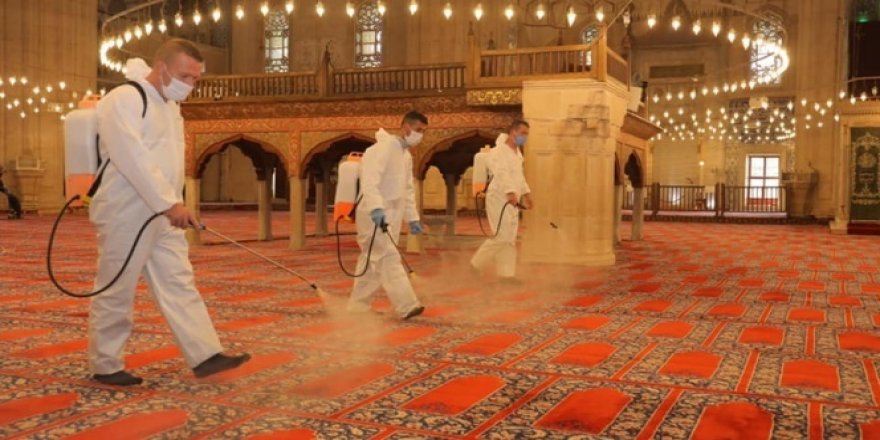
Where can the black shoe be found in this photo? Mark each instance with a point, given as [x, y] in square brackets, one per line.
[220, 362]
[414, 312]
[120, 378]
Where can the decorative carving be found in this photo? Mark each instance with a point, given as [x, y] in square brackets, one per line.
[231, 109]
[297, 136]
[494, 97]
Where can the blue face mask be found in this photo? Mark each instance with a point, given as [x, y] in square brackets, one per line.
[520, 139]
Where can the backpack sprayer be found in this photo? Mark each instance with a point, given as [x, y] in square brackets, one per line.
[345, 207]
[83, 172]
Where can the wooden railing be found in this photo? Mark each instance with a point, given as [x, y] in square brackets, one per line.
[864, 89]
[483, 69]
[434, 78]
[260, 85]
[718, 199]
[764, 199]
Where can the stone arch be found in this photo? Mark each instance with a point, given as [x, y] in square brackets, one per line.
[634, 170]
[424, 161]
[327, 146]
[204, 156]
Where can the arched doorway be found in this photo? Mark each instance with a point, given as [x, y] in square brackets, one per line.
[250, 173]
[320, 170]
[443, 167]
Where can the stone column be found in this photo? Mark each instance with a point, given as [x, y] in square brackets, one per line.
[192, 198]
[322, 196]
[264, 207]
[297, 213]
[618, 211]
[638, 214]
[415, 243]
[843, 181]
[570, 168]
[451, 208]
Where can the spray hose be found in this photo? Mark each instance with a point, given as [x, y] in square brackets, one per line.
[339, 252]
[409, 269]
[500, 217]
[116, 277]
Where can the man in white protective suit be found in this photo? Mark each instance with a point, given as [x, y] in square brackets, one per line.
[506, 187]
[387, 198]
[145, 175]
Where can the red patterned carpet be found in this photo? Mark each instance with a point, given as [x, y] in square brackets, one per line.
[702, 331]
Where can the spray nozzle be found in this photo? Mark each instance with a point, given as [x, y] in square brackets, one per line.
[384, 227]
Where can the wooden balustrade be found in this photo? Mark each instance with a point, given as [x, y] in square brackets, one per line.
[262, 85]
[718, 199]
[431, 78]
[483, 69]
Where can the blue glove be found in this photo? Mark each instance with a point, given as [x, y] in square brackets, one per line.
[378, 216]
[415, 227]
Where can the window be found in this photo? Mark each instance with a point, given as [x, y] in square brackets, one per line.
[764, 62]
[589, 36]
[763, 178]
[368, 36]
[277, 39]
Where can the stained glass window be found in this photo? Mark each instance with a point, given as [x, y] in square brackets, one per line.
[589, 36]
[277, 40]
[368, 36]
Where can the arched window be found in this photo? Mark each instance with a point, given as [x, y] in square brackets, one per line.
[767, 34]
[276, 40]
[368, 36]
[589, 36]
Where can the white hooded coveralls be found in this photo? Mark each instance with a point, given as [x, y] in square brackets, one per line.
[145, 176]
[505, 164]
[386, 182]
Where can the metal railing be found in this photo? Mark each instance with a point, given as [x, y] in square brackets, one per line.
[514, 65]
[718, 199]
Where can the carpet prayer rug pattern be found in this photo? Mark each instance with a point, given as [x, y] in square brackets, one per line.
[702, 331]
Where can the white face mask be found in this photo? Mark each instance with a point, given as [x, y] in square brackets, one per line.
[413, 138]
[177, 90]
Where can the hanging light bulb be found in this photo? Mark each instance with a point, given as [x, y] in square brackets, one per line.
[863, 97]
[852, 99]
[508, 12]
[837, 117]
[349, 9]
[656, 99]
[746, 41]
[731, 35]
[216, 14]
[36, 90]
[380, 5]
[138, 33]
[874, 90]
[119, 42]
[842, 94]
[540, 12]
[413, 7]
[319, 8]
[697, 27]
[264, 9]
[49, 89]
[478, 11]
[447, 11]
[716, 28]
[652, 21]
[289, 7]
[571, 16]
[23, 115]
[62, 85]
[197, 17]
[676, 23]
[178, 19]
[239, 12]
[162, 26]
[127, 35]
[148, 28]
[600, 14]
[803, 102]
